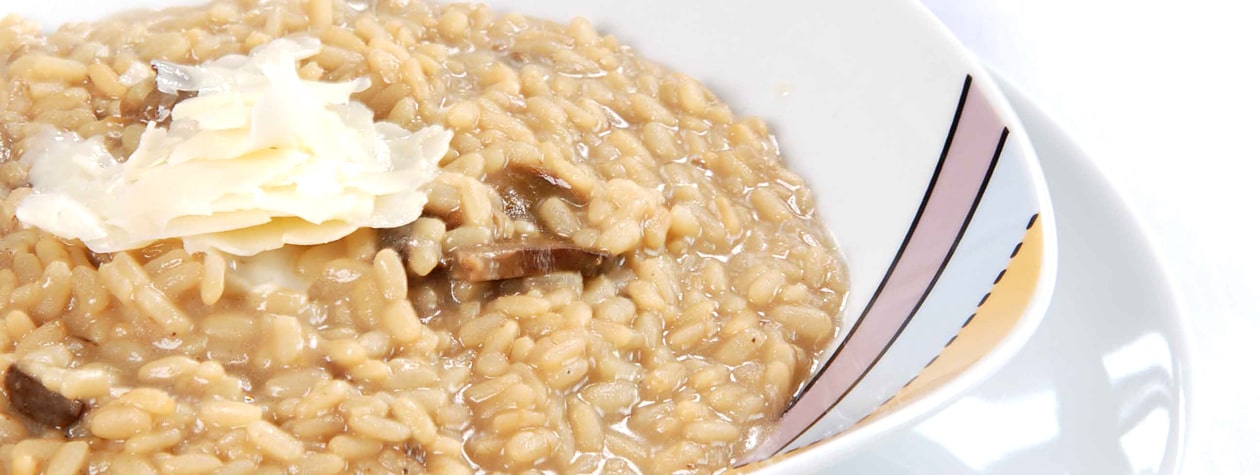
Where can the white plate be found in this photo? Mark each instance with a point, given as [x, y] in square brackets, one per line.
[1101, 387]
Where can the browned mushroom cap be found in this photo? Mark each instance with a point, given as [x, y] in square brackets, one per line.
[514, 259]
[552, 178]
[523, 186]
[31, 398]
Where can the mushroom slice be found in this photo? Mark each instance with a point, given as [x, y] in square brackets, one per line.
[554, 179]
[524, 186]
[156, 107]
[45, 406]
[524, 258]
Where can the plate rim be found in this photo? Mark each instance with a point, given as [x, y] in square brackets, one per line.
[1185, 359]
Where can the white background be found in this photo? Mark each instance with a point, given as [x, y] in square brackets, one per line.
[1165, 95]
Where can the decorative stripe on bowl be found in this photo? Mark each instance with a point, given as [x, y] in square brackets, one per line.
[973, 199]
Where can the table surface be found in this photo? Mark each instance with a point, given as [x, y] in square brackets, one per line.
[1164, 96]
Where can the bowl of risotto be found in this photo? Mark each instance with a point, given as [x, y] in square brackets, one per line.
[403, 236]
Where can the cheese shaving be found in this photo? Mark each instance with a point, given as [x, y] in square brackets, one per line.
[258, 159]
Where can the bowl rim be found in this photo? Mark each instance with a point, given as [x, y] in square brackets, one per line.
[817, 453]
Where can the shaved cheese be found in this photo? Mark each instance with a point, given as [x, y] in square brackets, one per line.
[258, 159]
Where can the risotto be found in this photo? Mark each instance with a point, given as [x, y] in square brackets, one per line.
[610, 271]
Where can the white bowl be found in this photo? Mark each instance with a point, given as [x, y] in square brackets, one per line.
[863, 96]
[921, 171]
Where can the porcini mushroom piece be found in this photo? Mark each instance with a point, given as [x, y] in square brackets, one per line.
[514, 259]
[34, 400]
[524, 186]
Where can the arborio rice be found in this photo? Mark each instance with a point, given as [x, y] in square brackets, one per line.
[708, 288]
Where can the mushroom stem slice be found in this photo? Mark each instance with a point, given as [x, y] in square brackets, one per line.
[511, 260]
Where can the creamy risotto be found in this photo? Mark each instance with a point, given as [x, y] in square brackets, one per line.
[324, 236]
